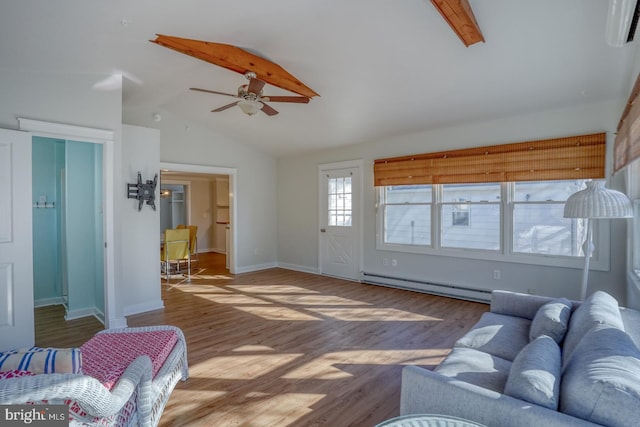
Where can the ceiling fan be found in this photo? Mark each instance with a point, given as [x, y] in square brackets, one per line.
[251, 98]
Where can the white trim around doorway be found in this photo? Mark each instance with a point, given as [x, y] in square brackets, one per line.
[106, 138]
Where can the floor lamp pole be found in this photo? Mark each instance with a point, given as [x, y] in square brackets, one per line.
[587, 249]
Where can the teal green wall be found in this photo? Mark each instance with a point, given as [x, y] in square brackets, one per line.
[99, 229]
[68, 240]
[47, 162]
[81, 225]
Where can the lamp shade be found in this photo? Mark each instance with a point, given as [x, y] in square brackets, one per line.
[596, 201]
[249, 106]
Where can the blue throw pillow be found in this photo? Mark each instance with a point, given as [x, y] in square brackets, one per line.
[551, 319]
[535, 373]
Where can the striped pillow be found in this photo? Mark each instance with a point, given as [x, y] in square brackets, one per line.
[43, 360]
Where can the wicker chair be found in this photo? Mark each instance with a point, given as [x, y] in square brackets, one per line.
[136, 399]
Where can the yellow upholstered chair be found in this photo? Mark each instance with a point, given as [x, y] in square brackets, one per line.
[193, 241]
[180, 226]
[175, 249]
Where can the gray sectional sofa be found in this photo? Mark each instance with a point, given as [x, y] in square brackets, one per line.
[537, 361]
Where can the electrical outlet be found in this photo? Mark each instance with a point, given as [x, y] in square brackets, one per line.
[394, 262]
[385, 261]
[496, 274]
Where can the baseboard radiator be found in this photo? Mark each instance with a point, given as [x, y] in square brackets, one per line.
[452, 291]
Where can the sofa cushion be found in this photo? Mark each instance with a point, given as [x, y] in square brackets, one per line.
[535, 373]
[476, 367]
[107, 355]
[601, 383]
[552, 319]
[43, 360]
[598, 308]
[497, 334]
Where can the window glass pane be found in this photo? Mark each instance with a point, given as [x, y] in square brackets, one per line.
[636, 237]
[407, 224]
[408, 194]
[339, 203]
[539, 228]
[541, 191]
[482, 231]
[471, 193]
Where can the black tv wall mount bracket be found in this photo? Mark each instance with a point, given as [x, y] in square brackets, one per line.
[143, 192]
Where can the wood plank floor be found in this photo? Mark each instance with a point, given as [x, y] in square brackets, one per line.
[284, 348]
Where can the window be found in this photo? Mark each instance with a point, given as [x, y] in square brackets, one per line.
[522, 221]
[538, 223]
[340, 202]
[635, 249]
[407, 214]
[458, 202]
[633, 176]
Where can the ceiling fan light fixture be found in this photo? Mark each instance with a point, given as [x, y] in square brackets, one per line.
[250, 107]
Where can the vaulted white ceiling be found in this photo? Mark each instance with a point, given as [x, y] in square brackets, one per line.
[381, 67]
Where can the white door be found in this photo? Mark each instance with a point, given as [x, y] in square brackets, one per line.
[340, 190]
[16, 254]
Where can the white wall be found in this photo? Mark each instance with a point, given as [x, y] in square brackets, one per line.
[187, 143]
[140, 255]
[298, 205]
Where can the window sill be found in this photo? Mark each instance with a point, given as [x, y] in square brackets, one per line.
[491, 255]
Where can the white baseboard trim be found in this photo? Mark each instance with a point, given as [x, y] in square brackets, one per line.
[120, 322]
[143, 307]
[256, 267]
[301, 268]
[446, 290]
[44, 302]
[84, 312]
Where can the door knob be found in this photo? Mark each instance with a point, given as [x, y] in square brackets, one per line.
[323, 230]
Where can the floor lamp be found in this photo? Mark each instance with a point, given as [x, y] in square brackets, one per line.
[595, 202]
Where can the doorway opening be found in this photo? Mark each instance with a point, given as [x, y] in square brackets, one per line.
[67, 223]
[105, 139]
[203, 196]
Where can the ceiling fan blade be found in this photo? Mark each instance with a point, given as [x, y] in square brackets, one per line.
[212, 91]
[225, 107]
[255, 86]
[269, 111]
[298, 99]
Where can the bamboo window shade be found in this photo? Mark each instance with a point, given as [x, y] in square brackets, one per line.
[626, 147]
[575, 157]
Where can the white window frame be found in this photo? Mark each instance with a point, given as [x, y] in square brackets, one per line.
[633, 184]
[601, 235]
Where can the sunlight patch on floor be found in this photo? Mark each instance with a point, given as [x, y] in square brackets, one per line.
[249, 348]
[277, 313]
[372, 314]
[314, 300]
[272, 289]
[282, 409]
[241, 367]
[192, 400]
[196, 288]
[327, 366]
[234, 299]
[211, 277]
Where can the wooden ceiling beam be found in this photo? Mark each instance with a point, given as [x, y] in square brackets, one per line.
[460, 18]
[238, 60]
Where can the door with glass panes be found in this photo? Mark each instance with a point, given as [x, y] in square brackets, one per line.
[339, 222]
